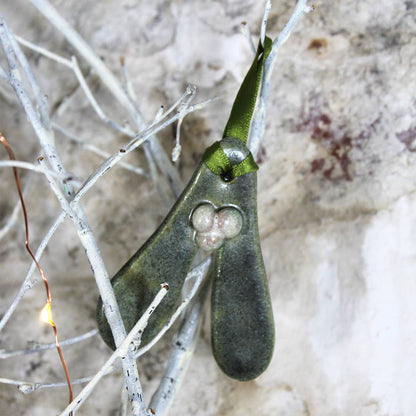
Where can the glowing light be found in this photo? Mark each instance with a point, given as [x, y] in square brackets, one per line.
[46, 314]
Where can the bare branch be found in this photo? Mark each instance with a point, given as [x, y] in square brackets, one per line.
[13, 217]
[259, 120]
[29, 166]
[182, 352]
[97, 151]
[34, 347]
[247, 34]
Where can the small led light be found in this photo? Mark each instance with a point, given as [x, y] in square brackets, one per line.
[46, 314]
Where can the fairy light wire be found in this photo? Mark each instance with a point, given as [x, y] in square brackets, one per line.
[46, 313]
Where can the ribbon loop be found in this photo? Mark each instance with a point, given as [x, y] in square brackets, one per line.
[238, 124]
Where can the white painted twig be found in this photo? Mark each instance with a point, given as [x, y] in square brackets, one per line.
[247, 34]
[58, 193]
[34, 347]
[263, 26]
[120, 352]
[162, 114]
[13, 217]
[182, 113]
[124, 402]
[17, 383]
[128, 84]
[42, 51]
[259, 120]
[26, 387]
[15, 80]
[93, 101]
[27, 165]
[182, 351]
[96, 150]
[41, 100]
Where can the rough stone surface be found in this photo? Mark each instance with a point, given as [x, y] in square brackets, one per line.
[336, 200]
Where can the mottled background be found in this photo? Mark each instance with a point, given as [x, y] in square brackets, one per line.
[337, 203]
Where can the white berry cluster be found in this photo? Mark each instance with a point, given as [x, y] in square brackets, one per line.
[213, 227]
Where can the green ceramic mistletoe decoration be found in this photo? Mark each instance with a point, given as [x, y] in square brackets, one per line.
[217, 212]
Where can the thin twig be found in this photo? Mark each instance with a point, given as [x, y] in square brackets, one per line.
[247, 34]
[124, 402]
[27, 387]
[34, 346]
[27, 165]
[182, 113]
[182, 351]
[97, 151]
[263, 26]
[128, 85]
[13, 217]
[41, 100]
[93, 101]
[258, 124]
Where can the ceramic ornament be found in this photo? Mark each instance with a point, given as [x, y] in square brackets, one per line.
[217, 212]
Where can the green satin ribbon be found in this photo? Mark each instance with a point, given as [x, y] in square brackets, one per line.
[238, 124]
[218, 162]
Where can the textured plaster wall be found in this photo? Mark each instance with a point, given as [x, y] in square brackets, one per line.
[336, 200]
